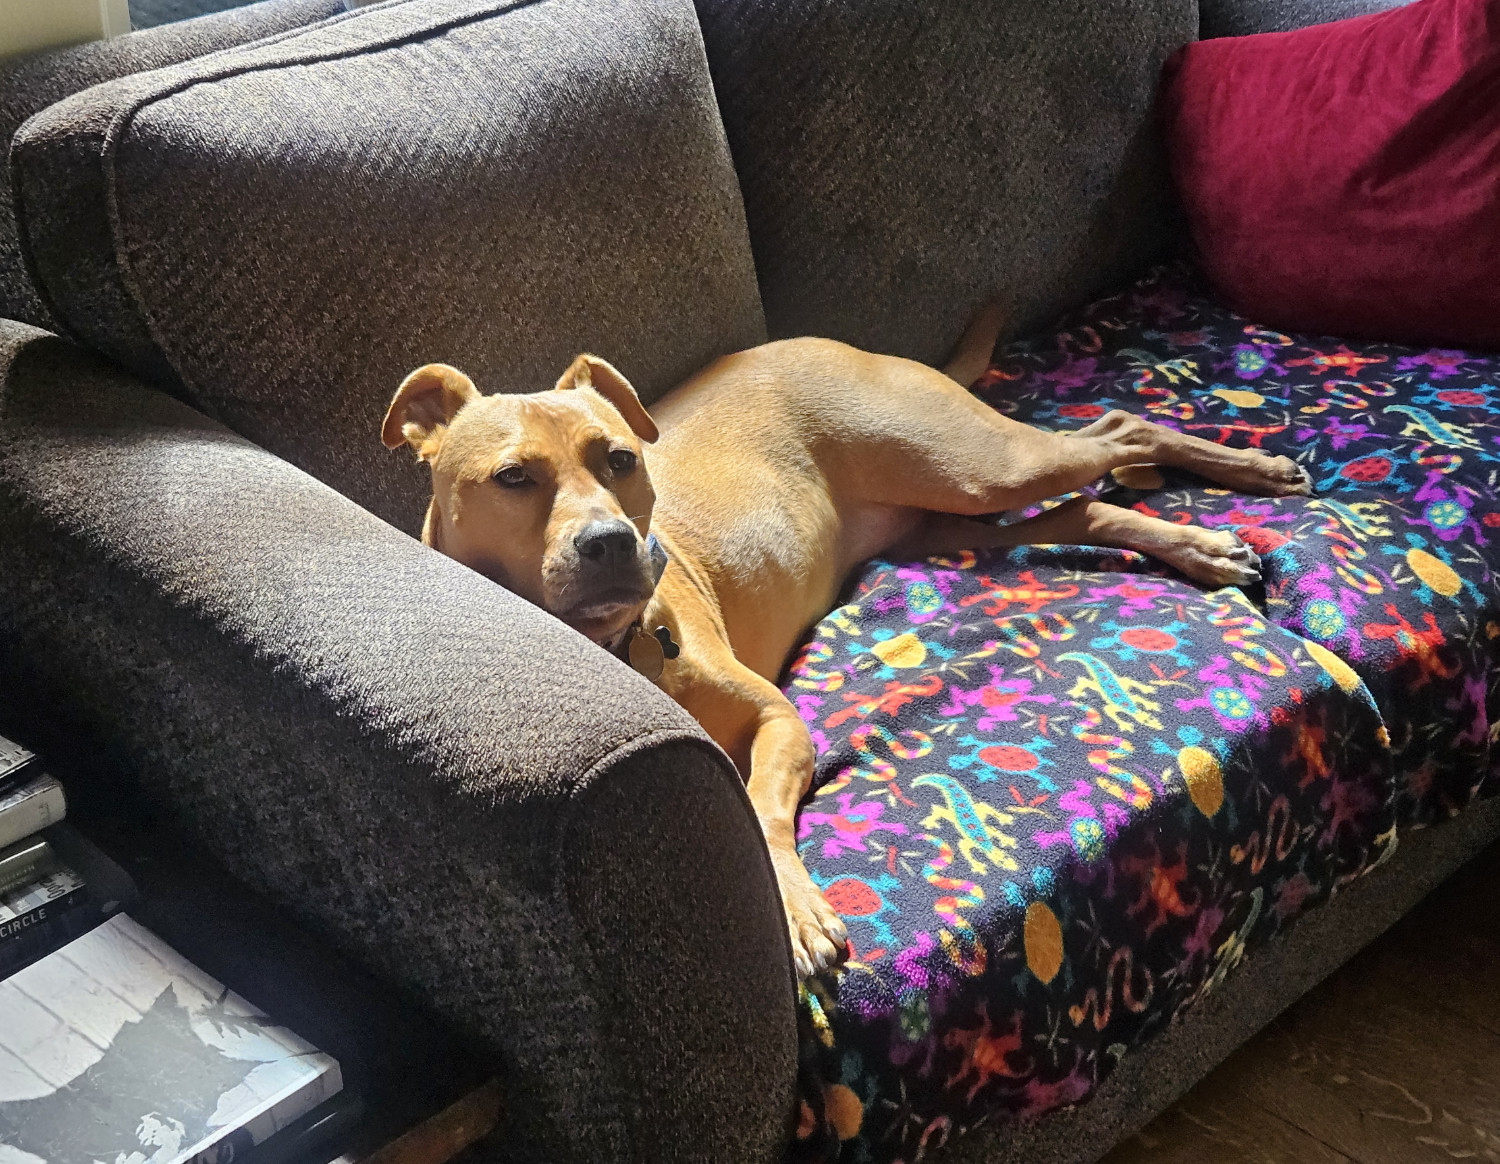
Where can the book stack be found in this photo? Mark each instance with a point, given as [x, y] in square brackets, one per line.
[113, 1046]
[117, 1048]
[53, 885]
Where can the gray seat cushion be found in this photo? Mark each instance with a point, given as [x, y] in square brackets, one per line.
[32, 83]
[150, 13]
[902, 163]
[281, 232]
[1243, 17]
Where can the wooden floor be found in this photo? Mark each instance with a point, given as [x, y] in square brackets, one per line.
[1393, 1060]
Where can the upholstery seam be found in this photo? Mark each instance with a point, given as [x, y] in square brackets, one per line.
[585, 781]
[23, 242]
[18, 202]
[625, 750]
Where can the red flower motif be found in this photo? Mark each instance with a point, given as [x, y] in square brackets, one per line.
[1367, 470]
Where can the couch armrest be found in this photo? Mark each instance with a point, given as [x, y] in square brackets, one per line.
[1242, 17]
[467, 796]
[30, 84]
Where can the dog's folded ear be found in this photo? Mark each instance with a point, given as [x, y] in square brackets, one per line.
[592, 372]
[424, 405]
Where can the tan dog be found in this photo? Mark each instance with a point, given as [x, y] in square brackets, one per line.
[771, 475]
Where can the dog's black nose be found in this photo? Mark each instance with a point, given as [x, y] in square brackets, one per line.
[606, 543]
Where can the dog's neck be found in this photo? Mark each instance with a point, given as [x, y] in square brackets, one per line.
[432, 527]
[615, 644]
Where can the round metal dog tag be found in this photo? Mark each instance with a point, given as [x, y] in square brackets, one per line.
[646, 654]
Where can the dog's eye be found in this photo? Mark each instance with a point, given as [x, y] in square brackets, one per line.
[512, 476]
[622, 461]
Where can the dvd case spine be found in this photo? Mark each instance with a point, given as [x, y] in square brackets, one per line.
[24, 862]
[38, 917]
[30, 807]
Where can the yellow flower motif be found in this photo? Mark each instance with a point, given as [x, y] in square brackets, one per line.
[1239, 397]
[1043, 939]
[1204, 778]
[1338, 670]
[902, 651]
[1434, 572]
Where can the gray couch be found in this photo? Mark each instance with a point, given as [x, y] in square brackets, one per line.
[231, 237]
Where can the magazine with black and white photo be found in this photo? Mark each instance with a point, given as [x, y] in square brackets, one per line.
[117, 1050]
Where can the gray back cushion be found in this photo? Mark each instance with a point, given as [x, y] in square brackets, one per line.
[30, 84]
[1242, 17]
[904, 161]
[150, 13]
[281, 232]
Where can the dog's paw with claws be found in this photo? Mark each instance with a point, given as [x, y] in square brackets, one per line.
[1273, 476]
[819, 939]
[1214, 557]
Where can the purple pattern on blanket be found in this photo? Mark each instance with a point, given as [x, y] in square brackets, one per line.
[1062, 792]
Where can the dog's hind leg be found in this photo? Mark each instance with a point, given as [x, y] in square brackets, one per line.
[1216, 558]
[975, 351]
[914, 438]
[895, 432]
[1247, 470]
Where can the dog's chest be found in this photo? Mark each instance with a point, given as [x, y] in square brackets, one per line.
[782, 537]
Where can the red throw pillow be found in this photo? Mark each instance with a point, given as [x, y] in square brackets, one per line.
[1345, 178]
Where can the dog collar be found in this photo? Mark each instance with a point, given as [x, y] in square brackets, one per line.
[648, 651]
[658, 554]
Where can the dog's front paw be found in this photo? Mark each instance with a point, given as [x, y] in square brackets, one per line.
[1256, 471]
[1280, 477]
[819, 939]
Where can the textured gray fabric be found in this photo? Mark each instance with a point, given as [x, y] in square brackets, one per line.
[1242, 17]
[1153, 1077]
[150, 13]
[30, 84]
[903, 163]
[453, 787]
[288, 229]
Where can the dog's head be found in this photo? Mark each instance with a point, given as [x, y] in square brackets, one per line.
[545, 493]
